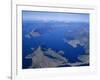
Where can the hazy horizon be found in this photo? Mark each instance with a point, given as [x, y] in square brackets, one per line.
[55, 16]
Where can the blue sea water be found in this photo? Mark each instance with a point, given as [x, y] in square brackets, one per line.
[52, 36]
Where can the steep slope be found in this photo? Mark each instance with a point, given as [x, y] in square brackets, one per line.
[48, 58]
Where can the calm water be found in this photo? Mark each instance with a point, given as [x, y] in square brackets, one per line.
[52, 36]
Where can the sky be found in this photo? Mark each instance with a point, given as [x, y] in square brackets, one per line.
[54, 16]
